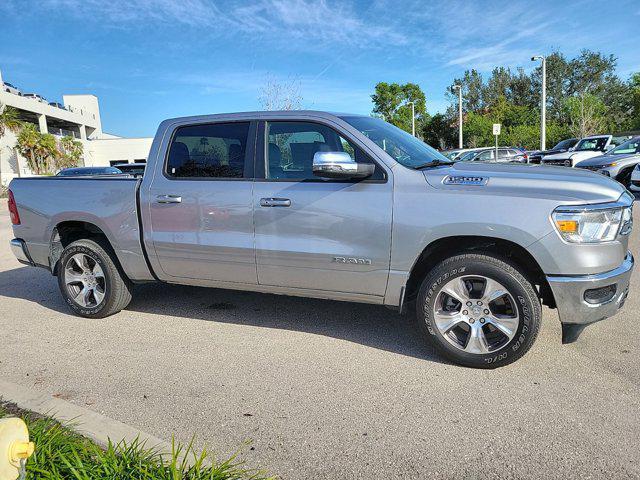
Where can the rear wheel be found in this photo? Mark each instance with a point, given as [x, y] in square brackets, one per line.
[478, 310]
[90, 281]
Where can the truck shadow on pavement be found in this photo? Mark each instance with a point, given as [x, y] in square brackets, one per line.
[370, 325]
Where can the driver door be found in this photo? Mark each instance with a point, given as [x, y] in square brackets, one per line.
[315, 233]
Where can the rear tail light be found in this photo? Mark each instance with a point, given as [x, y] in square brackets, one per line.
[13, 209]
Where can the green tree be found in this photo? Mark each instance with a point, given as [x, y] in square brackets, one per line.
[498, 86]
[70, 152]
[634, 93]
[9, 120]
[521, 90]
[590, 71]
[39, 150]
[472, 91]
[586, 114]
[477, 130]
[391, 101]
[440, 131]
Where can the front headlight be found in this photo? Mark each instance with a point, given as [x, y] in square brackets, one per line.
[592, 224]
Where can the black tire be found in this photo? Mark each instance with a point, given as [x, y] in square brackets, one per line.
[625, 178]
[116, 287]
[492, 267]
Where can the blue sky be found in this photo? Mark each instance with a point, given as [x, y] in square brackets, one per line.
[154, 59]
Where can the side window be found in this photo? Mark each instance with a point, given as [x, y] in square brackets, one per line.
[214, 150]
[292, 145]
[486, 155]
[601, 143]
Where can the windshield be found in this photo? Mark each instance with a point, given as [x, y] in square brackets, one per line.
[593, 144]
[630, 146]
[566, 144]
[402, 146]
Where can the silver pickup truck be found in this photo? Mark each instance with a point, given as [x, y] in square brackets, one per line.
[341, 207]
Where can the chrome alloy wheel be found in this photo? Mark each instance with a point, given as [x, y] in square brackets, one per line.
[476, 314]
[84, 280]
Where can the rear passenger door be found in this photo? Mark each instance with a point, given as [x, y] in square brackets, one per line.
[200, 204]
[314, 233]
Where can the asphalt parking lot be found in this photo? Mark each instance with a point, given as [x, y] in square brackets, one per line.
[326, 389]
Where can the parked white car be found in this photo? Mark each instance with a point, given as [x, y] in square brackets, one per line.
[37, 97]
[7, 87]
[588, 147]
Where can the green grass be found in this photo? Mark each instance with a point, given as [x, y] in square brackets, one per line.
[63, 454]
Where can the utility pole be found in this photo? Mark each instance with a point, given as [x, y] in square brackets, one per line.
[543, 107]
[459, 88]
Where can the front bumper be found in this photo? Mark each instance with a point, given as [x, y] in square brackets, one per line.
[574, 310]
[556, 162]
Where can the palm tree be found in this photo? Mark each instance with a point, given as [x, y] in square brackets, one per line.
[47, 153]
[27, 145]
[9, 120]
[70, 152]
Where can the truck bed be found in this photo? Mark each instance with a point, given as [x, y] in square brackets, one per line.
[44, 203]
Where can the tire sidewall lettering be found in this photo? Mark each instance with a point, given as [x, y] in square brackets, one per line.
[525, 308]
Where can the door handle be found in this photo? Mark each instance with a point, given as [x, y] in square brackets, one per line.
[275, 202]
[169, 199]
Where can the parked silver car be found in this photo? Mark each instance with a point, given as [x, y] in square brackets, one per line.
[340, 207]
[505, 155]
[617, 163]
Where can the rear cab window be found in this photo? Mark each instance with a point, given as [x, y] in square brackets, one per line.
[213, 150]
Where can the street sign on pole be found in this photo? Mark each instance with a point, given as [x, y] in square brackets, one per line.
[496, 132]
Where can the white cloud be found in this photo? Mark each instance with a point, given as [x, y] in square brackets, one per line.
[483, 35]
[306, 22]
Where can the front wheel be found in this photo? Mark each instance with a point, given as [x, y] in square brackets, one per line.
[90, 281]
[478, 310]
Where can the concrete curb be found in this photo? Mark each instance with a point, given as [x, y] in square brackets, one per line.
[87, 423]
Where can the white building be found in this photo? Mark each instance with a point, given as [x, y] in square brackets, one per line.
[77, 116]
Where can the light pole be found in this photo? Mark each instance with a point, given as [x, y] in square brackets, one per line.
[543, 107]
[459, 88]
[413, 118]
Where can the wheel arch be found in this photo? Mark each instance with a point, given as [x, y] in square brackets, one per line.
[68, 231]
[627, 170]
[446, 247]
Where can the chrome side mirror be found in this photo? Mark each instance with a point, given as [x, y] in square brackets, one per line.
[340, 165]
